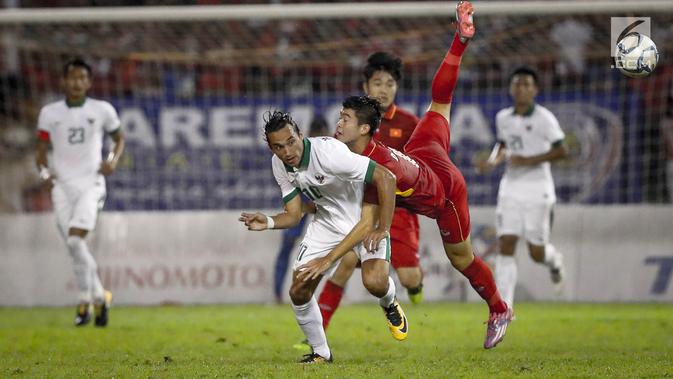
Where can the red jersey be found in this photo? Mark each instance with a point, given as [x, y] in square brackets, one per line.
[396, 127]
[418, 188]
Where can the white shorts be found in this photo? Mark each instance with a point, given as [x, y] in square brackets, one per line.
[77, 203]
[520, 218]
[309, 250]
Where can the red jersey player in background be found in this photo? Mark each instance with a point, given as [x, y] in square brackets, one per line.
[381, 75]
[428, 182]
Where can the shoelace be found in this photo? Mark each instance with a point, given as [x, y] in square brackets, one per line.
[393, 315]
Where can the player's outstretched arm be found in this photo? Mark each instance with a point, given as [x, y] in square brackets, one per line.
[289, 218]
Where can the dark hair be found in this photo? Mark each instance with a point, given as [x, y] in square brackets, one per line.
[76, 62]
[367, 111]
[318, 127]
[385, 62]
[277, 120]
[524, 70]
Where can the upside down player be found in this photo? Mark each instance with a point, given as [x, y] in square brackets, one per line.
[381, 76]
[428, 182]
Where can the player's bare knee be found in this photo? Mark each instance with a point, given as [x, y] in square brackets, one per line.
[536, 252]
[377, 285]
[299, 293]
[410, 277]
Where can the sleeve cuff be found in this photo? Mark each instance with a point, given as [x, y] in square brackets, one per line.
[369, 176]
[290, 196]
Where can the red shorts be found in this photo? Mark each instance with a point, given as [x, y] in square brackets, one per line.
[430, 144]
[404, 239]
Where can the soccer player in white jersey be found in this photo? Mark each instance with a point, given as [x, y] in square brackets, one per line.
[529, 137]
[333, 177]
[75, 128]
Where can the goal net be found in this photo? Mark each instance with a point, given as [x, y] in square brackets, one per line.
[191, 85]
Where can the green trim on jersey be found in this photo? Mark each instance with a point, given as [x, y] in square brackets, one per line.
[75, 104]
[557, 143]
[528, 112]
[388, 247]
[305, 157]
[369, 176]
[291, 195]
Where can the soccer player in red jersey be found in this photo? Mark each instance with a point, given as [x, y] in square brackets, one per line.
[428, 182]
[381, 75]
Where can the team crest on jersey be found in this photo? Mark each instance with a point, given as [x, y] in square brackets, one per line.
[91, 120]
[529, 128]
[320, 178]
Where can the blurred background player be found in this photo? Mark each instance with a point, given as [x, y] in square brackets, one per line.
[529, 137]
[75, 128]
[381, 77]
[290, 236]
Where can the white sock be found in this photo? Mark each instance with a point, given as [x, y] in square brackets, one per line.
[551, 256]
[96, 286]
[389, 297]
[310, 321]
[505, 277]
[82, 264]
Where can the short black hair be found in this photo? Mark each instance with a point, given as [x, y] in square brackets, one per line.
[76, 62]
[382, 61]
[277, 120]
[367, 111]
[318, 127]
[524, 70]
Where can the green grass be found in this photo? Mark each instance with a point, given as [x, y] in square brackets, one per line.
[546, 340]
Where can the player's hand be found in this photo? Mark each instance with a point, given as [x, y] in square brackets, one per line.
[483, 166]
[372, 239]
[314, 269]
[518, 160]
[254, 221]
[107, 168]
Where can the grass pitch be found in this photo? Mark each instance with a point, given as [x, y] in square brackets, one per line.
[546, 340]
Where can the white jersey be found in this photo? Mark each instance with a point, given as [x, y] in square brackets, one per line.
[331, 176]
[527, 135]
[76, 135]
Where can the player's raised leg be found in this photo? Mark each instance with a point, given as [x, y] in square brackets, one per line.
[454, 222]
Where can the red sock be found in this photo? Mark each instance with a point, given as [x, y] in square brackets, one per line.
[329, 301]
[481, 279]
[446, 76]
